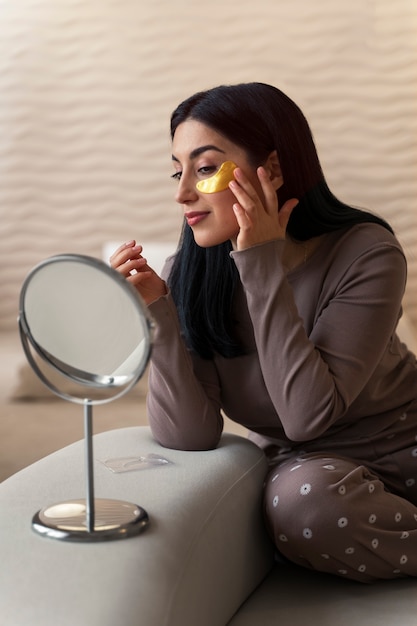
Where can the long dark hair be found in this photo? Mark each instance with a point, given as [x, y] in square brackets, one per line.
[259, 118]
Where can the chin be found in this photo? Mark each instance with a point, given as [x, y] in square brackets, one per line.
[209, 241]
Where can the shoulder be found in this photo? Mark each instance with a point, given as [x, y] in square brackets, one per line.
[363, 239]
[363, 253]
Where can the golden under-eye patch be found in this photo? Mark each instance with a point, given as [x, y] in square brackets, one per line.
[220, 180]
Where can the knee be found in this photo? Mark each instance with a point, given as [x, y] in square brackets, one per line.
[322, 514]
[304, 495]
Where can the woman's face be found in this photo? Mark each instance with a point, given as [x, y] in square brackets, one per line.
[197, 154]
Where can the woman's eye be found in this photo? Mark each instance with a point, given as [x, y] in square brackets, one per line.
[207, 170]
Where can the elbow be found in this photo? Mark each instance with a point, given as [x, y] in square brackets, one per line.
[303, 431]
[309, 424]
[185, 439]
[298, 436]
[187, 444]
[178, 430]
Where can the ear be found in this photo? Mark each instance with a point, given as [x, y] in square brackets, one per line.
[273, 167]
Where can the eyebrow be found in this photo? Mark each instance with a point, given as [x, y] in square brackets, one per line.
[195, 153]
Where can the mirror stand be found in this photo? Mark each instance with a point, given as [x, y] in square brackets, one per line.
[90, 519]
[69, 306]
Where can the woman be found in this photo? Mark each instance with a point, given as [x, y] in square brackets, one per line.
[280, 309]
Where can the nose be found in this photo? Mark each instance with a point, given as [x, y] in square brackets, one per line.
[186, 190]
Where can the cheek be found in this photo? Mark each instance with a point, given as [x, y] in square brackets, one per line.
[229, 224]
[224, 209]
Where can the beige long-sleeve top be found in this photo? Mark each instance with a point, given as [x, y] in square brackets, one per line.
[323, 358]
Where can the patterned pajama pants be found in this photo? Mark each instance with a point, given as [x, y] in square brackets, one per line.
[350, 512]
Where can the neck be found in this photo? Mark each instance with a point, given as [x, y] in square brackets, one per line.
[297, 253]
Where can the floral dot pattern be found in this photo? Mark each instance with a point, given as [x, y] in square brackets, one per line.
[305, 489]
[341, 519]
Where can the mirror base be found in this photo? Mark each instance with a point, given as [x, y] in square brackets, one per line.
[68, 521]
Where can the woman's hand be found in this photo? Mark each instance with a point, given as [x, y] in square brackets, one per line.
[259, 221]
[128, 261]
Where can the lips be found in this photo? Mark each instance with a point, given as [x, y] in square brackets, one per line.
[194, 217]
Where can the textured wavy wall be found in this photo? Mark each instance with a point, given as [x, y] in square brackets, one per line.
[87, 86]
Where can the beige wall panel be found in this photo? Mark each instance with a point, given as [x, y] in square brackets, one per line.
[87, 87]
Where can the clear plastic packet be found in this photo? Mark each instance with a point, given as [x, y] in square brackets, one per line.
[134, 463]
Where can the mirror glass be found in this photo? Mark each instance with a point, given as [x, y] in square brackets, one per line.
[86, 321]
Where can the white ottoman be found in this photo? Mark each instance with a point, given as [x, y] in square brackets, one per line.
[203, 553]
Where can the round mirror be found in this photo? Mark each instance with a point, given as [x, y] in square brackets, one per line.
[80, 320]
[86, 322]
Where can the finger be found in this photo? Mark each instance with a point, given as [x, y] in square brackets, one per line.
[285, 212]
[124, 252]
[128, 244]
[243, 220]
[131, 266]
[269, 191]
[139, 277]
[123, 248]
[244, 191]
